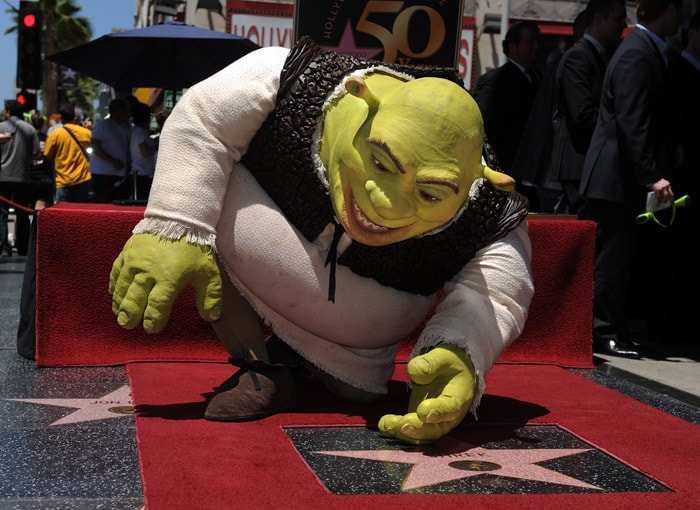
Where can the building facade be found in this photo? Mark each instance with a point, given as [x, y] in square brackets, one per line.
[271, 23]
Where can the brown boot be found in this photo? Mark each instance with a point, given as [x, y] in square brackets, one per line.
[256, 391]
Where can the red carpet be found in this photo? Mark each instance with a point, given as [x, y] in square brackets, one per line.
[77, 244]
[650, 458]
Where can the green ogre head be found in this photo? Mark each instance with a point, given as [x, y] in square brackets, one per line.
[401, 156]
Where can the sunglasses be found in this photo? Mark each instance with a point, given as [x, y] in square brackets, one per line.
[649, 215]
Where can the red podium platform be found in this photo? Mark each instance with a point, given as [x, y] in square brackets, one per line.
[77, 243]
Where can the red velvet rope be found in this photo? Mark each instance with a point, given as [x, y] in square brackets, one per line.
[32, 211]
[17, 206]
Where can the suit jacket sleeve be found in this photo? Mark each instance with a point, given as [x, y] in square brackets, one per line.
[489, 97]
[579, 96]
[634, 79]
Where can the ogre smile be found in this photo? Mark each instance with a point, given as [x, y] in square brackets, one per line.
[364, 221]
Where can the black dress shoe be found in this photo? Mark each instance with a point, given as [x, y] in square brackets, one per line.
[616, 348]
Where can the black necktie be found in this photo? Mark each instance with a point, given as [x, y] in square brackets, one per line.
[332, 259]
[532, 75]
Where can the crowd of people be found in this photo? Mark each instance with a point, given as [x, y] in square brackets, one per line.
[66, 159]
[72, 161]
[611, 122]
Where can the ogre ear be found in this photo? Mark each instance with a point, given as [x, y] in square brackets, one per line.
[358, 88]
[500, 180]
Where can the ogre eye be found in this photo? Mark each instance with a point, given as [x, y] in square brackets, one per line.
[428, 197]
[380, 166]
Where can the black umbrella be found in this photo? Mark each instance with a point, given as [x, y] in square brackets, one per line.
[172, 56]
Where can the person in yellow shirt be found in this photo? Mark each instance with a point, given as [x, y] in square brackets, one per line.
[67, 146]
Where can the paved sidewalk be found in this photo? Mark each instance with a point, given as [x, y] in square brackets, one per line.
[675, 374]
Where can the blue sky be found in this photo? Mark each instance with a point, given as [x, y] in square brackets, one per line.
[104, 15]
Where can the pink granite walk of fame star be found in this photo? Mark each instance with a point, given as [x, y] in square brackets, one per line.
[116, 404]
[543, 459]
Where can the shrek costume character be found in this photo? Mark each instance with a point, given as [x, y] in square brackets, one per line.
[342, 201]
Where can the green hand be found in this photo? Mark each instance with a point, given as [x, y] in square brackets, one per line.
[442, 394]
[150, 273]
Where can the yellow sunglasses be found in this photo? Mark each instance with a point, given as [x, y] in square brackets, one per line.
[649, 215]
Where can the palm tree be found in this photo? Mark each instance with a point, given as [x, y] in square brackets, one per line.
[64, 29]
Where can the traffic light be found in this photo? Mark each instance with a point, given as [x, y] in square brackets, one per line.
[29, 75]
[27, 100]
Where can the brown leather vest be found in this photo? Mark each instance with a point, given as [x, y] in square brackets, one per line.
[280, 158]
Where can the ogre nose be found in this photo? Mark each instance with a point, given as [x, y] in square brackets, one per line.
[377, 196]
[390, 206]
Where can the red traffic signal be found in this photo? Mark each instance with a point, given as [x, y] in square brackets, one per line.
[29, 45]
[29, 20]
[27, 100]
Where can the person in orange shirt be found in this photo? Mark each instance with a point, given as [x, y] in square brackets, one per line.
[67, 146]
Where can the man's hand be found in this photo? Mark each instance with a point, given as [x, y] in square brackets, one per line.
[662, 191]
[442, 394]
[150, 273]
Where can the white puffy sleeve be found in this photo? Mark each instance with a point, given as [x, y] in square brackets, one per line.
[485, 305]
[206, 134]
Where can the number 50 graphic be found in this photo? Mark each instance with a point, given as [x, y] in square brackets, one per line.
[396, 39]
[423, 32]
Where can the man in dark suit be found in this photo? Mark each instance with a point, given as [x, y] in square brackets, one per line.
[631, 153]
[684, 68]
[534, 157]
[577, 91]
[505, 96]
[683, 242]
